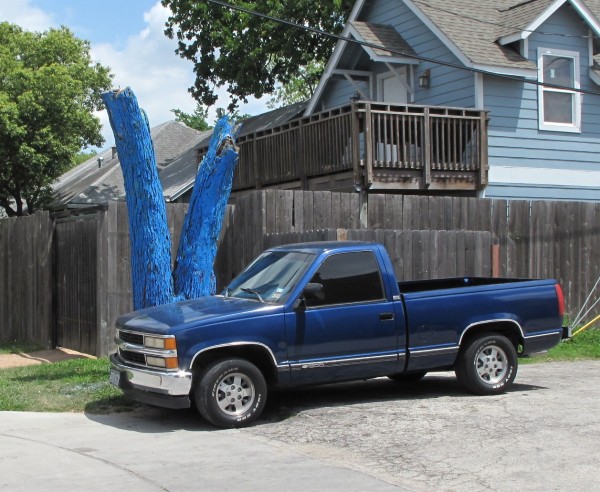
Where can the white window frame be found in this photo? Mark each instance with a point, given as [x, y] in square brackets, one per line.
[574, 127]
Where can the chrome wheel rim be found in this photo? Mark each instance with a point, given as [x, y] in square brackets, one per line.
[235, 394]
[491, 364]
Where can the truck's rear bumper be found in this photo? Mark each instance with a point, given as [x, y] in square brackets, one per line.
[164, 389]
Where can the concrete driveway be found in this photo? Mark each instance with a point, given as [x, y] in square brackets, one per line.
[543, 435]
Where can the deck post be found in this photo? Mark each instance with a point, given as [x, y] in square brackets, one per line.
[301, 154]
[426, 149]
[368, 147]
[483, 151]
[255, 166]
[358, 181]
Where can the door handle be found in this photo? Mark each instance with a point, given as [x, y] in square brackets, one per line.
[386, 316]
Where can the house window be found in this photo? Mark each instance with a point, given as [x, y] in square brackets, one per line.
[559, 107]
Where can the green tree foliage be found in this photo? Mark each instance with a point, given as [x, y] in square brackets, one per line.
[299, 88]
[250, 55]
[49, 88]
[81, 157]
[196, 120]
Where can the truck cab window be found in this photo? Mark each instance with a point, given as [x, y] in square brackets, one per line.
[347, 278]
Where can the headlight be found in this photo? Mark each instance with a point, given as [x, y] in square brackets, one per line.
[160, 343]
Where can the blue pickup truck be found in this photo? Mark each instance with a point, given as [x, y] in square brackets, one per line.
[325, 312]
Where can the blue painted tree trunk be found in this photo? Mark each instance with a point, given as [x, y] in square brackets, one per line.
[193, 275]
[150, 239]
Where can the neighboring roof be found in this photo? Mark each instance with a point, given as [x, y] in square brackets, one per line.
[273, 118]
[176, 149]
[92, 183]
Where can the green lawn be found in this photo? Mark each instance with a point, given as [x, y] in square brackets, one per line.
[74, 385]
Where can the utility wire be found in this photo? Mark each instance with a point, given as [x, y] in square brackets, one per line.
[398, 52]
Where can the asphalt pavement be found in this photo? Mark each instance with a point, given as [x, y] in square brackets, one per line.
[378, 435]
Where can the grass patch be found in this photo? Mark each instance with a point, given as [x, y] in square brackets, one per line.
[17, 347]
[74, 385]
[586, 345]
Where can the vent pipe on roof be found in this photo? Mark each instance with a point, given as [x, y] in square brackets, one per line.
[100, 159]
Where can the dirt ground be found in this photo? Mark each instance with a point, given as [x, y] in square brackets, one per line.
[39, 357]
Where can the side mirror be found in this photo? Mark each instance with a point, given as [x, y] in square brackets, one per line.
[314, 292]
[311, 292]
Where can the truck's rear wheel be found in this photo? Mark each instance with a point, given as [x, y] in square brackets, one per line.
[487, 365]
[231, 393]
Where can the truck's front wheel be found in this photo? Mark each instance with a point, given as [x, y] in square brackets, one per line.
[487, 365]
[231, 393]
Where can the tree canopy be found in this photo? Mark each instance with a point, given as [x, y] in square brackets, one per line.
[49, 89]
[249, 55]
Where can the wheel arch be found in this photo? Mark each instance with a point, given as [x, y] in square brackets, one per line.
[509, 328]
[257, 353]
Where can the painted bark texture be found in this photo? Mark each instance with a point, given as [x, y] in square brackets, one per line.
[194, 267]
[150, 238]
[193, 276]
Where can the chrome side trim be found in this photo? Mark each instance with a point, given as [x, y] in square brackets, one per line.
[433, 351]
[551, 334]
[487, 322]
[315, 364]
[238, 344]
[396, 298]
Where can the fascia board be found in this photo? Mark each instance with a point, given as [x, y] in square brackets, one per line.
[441, 36]
[529, 73]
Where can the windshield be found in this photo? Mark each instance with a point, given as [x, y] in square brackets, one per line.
[270, 277]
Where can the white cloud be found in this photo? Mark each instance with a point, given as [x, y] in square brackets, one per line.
[148, 65]
[28, 17]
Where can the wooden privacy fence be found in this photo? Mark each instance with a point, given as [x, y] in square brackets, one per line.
[416, 255]
[66, 280]
[26, 279]
[533, 239]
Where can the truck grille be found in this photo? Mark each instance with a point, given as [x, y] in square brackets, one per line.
[133, 357]
[129, 337]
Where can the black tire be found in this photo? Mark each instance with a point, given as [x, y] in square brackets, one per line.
[230, 393]
[487, 365]
[411, 377]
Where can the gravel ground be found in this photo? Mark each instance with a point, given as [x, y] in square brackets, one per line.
[542, 435]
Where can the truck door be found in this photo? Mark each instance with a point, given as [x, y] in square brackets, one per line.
[352, 332]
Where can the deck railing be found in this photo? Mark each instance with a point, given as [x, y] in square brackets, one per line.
[385, 145]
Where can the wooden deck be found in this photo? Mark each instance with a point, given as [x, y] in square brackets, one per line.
[374, 146]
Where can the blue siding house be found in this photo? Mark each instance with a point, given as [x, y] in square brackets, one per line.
[520, 61]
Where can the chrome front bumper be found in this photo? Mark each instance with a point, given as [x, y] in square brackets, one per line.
[162, 382]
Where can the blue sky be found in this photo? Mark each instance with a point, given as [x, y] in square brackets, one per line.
[127, 36]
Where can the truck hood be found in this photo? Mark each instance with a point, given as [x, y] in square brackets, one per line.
[171, 318]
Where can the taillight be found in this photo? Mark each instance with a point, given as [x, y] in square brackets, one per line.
[561, 300]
